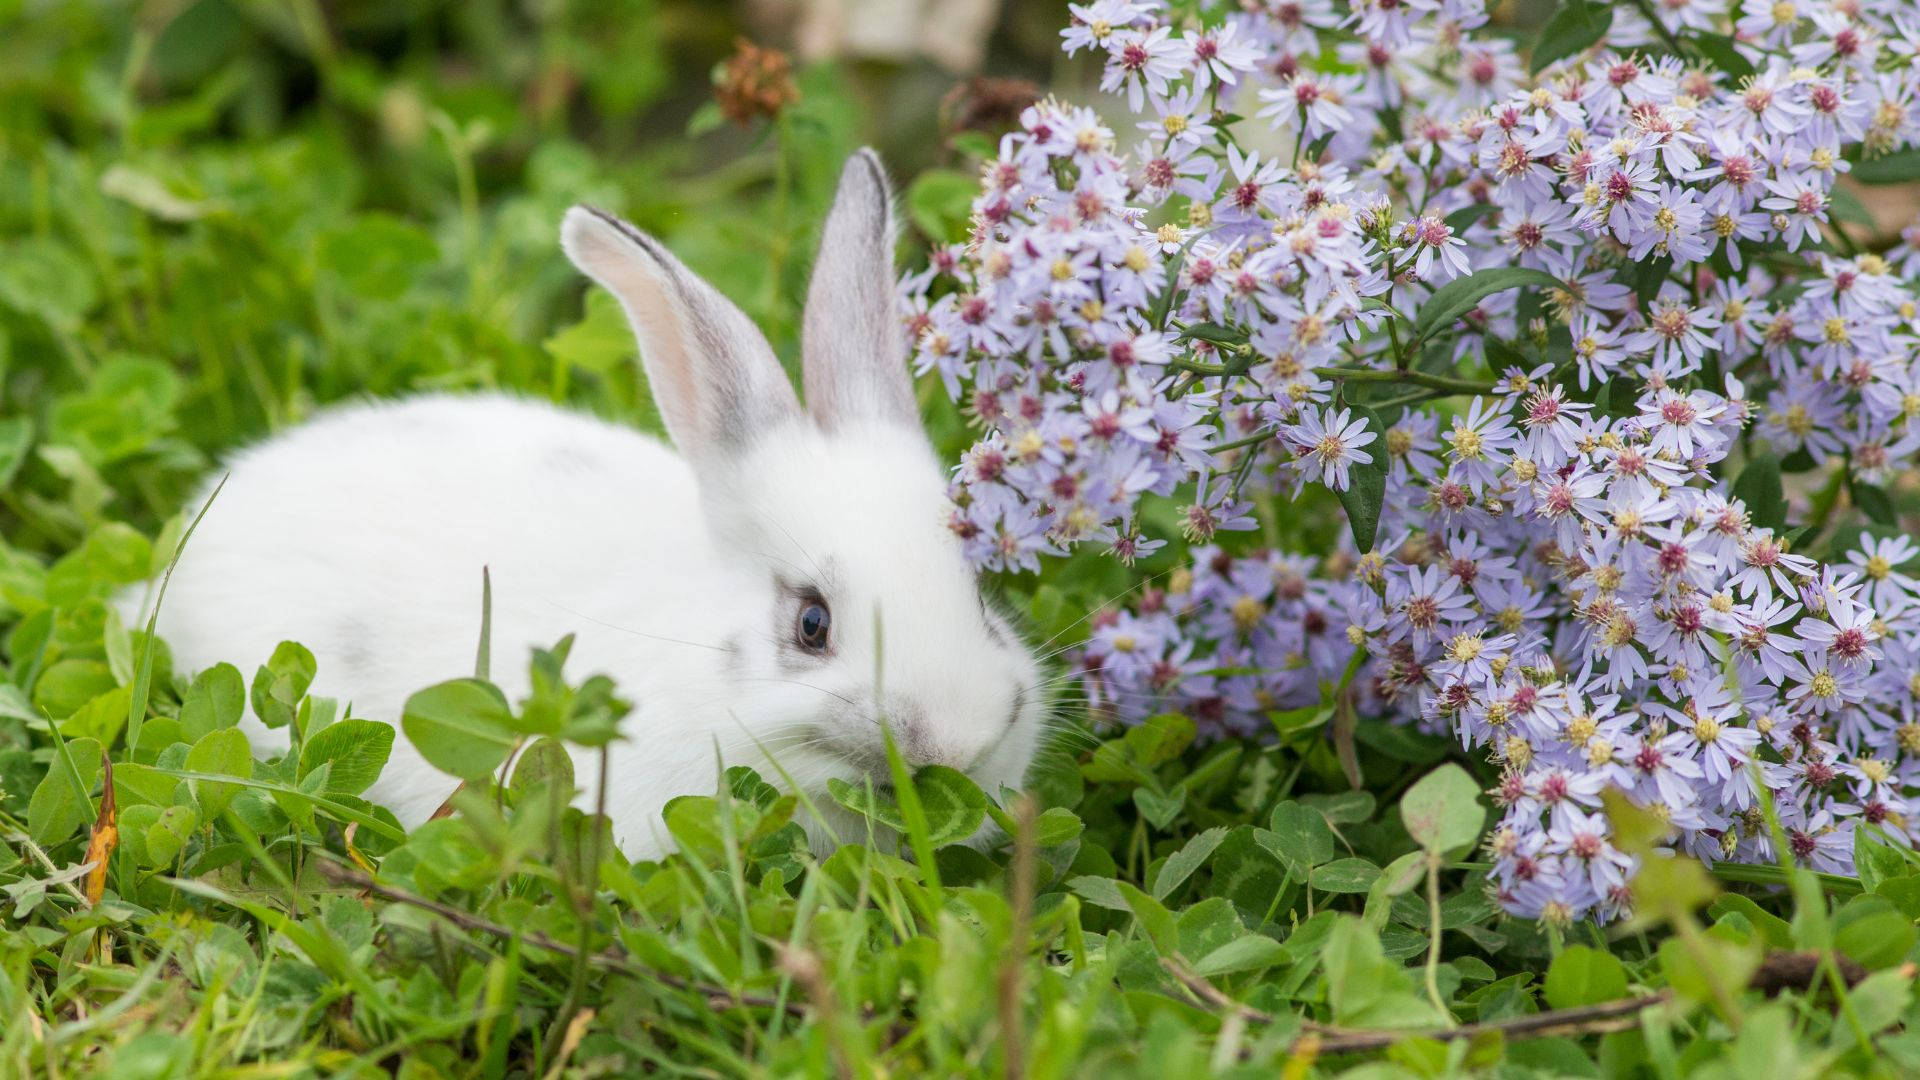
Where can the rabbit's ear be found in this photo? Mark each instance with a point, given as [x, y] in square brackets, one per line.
[716, 379]
[852, 341]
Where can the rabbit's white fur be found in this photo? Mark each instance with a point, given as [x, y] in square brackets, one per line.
[362, 534]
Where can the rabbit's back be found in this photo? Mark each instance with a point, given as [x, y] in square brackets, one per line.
[362, 534]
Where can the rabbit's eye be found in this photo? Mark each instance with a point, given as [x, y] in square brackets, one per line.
[810, 628]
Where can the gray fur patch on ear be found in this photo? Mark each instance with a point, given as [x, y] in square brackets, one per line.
[853, 341]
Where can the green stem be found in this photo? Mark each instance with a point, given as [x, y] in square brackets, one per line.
[1257, 437]
[1434, 862]
[1646, 10]
[1417, 378]
[1824, 503]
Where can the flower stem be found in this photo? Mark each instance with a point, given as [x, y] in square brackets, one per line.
[1646, 10]
[1417, 378]
[1257, 437]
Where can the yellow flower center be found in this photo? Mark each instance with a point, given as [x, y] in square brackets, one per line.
[1909, 737]
[1599, 751]
[1519, 751]
[1465, 647]
[1247, 612]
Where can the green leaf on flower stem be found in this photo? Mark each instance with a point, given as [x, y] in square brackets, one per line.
[1759, 487]
[1345, 876]
[1299, 836]
[1584, 976]
[1572, 29]
[462, 726]
[1712, 962]
[356, 750]
[1844, 206]
[281, 682]
[225, 753]
[216, 700]
[1249, 952]
[1163, 304]
[954, 805]
[1459, 296]
[1153, 917]
[64, 799]
[1159, 739]
[1215, 333]
[1367, 484]
[1364, 987]
[1873, 932]
[545, 764]
[1899, 168]
[1648, 276]
[1181, 864]
[1442, 812]
[1158, 809]
[1719, 48]
[1462, 219]
[1874, 502]
[939, 202]
[169, 832]
[1875, 860]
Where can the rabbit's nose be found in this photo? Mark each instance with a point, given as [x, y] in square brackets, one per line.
[922, 741]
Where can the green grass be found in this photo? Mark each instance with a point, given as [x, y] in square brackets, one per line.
[215, 224]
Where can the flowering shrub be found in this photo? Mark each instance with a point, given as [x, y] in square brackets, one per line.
[1552, 336]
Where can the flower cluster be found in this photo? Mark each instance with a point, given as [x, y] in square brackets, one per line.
[1326, 220]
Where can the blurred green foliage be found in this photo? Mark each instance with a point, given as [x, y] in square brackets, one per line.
[216, 217]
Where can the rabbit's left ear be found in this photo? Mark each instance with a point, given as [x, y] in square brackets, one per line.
[853, 343]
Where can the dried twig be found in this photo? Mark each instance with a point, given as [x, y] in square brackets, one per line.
[1013, 964]
[1598, 1019]
[1608, 1016]
[717, 996]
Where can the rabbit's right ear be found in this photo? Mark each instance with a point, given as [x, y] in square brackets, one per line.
[710, 369]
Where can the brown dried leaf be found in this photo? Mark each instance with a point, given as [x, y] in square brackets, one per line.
[105, 837]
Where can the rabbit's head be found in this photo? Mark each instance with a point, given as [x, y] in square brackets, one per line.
[858, 608]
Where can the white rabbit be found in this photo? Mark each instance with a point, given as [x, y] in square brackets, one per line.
[787, 581]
